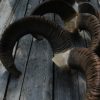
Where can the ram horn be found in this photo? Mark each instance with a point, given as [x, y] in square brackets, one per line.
[62, 8]
[88, 62]
[87, 10]
[91, 24]
[57, 36]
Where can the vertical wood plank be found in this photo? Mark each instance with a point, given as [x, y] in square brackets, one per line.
[32, 5]
[6, 8]
[38, 79]
[3, 81]
[61, 84]
[14, 86]
[66, 85]
[82, 86]
[37, 84]
[95, 3]
[17, 89]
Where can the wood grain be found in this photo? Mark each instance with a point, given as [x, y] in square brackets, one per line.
[6, 8]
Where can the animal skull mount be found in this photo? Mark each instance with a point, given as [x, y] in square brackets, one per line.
[62, 42]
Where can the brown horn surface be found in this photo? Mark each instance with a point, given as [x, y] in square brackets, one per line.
[57, 37]
[91, 24]
[88, 62]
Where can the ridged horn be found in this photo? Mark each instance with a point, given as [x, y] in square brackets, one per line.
[57, 37]
[91, 24]
[59, 7]
[88, 62]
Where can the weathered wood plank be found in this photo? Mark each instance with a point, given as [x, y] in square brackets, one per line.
[82, 86]
[61, 85]
[31, 5]
[18, 88]
[6, 8]
[3, 81]
[74, 85]
[38, 79]
[95, 3]
[66, 85]
[14, 86]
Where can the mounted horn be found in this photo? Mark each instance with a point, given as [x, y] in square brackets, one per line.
[88, 62]
[91, 24]
[61, 7]
[85, 60]
[87, 10]
[88, 20]
[58, 38]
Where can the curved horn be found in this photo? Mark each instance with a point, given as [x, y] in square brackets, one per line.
[62, 8]
[91, 24]
[58, 38]
[87, 61]
[85, 9]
